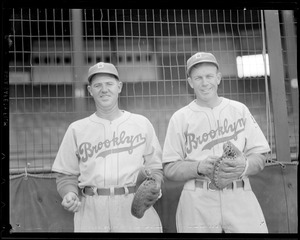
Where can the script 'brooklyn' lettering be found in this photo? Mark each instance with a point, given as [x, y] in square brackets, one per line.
[213, 136]
[87, 150]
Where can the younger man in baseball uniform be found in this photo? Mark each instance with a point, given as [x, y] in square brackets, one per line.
[194, 141]
[99, 160]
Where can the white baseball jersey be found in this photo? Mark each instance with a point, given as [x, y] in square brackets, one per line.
[108, 153]
[195, 132]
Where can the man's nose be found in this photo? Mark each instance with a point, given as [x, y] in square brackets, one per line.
[104, 88]
[204, 81]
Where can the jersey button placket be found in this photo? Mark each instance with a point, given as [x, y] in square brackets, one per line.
[112, 156]
[108, 172]
[214, 127]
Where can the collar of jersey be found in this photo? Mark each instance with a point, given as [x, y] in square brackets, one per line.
[195, 107]
[124, 117]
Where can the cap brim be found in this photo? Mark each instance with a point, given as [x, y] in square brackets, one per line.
[202, 61]
[92, 75]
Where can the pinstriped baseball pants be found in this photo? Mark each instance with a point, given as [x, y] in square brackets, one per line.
[232, 210]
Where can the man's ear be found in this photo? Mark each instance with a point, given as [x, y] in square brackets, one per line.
[190, 82]
[120, 86]
[219, 77]
[89, 90]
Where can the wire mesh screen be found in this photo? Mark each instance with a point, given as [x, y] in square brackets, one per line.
[52, 49]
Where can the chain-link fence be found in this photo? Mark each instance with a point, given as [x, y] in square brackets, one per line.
[52, 49]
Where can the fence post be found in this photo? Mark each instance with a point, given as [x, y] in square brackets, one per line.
[278, 90]
[78, 62]
[291, 58]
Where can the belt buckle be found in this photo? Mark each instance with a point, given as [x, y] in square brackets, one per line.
[112, 191]
[208, 186]
[95, 190]
[126, 191]
[82, 191]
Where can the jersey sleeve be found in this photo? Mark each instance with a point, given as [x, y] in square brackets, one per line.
[66, 183]
[67, 161]
[153, 152]
[255, 139]
[181, 170]
[174, 145]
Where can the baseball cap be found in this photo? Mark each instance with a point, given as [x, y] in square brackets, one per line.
[200, 57]
[102, 67]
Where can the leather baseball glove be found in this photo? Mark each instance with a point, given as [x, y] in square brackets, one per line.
[229, 167]
[146, 194]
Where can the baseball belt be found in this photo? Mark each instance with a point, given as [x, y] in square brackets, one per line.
[91, 191]
[209, 186]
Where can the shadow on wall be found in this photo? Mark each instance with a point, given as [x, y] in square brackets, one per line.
[36, 206]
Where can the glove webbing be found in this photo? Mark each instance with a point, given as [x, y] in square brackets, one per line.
[229, 152]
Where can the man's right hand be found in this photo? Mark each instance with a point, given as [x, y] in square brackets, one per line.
[206, 166]
[71, 202]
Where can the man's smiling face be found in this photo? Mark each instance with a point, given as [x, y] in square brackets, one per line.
[204, 79]
[105, 89]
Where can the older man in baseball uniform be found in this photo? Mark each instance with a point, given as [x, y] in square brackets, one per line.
[193, 144]
[99, 160]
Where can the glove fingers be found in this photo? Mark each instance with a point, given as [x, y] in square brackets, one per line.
[232, 176]
[226, 170]
[152, 194]
[151, 202]
[155, 190]
[235, 173]
[145, 196]
[233, 167]
[230, 163]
